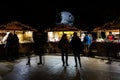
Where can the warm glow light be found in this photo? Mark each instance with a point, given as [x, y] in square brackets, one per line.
[56, 36]
[20, 36]
[50, 35]
[28, 34]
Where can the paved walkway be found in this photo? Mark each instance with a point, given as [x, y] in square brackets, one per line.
[52, 69]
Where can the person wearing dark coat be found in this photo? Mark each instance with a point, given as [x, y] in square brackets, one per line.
[110, 47]
[64, 45]
[16, 46]
[77, 48]
[39, 42]
[38, 47]
[9, 48]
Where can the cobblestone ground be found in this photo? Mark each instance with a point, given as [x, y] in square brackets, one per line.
[52, 69]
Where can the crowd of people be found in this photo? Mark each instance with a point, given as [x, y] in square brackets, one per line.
[78, 46]
[11, 45]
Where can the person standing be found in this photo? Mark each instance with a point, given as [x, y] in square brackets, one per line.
[39, 42]
[77, 47]
[16, 46]
[9, 47]
[38, 47]
[63, 45]
[87, 43]
[110, 37]
[82, 36]
[110, 48]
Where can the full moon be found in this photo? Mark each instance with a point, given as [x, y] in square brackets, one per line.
[65, 18]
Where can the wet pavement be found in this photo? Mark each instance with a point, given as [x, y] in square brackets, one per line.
[52, 69]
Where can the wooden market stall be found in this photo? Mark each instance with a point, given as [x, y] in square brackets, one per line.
[101, 41]
[24, 33]
[113, 27]
[55, 34]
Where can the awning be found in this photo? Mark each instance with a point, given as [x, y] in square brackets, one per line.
[15, 25]
[63, 28]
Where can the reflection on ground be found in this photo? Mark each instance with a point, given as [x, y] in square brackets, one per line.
[52, 69]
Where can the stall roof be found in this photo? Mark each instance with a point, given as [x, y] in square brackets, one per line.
[98, 28]
[63, 28]
[15, 25]
[110, 25]
[114, 25]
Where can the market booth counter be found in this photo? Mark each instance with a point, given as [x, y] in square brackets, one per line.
[101, 41]
[24, 33]
[102, 49]
[55, 34]
[25, 48]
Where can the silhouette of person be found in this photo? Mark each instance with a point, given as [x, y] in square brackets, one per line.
[110, 47]
[16, 46]
[63, 45]
[39, 42]
[9, 47]
[77, 47]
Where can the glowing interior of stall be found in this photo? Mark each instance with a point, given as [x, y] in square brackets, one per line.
[55, 36]
[24, 36]
[115, 32]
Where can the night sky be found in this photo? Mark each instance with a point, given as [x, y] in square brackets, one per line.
[42, 15]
